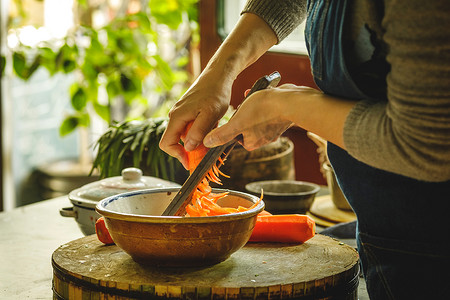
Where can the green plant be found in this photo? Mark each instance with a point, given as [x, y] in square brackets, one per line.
[124, 58]
[2, 64]
[136, 143]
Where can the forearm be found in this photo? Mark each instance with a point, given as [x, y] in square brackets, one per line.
[317, 112]
[250, 38]
[266, 114]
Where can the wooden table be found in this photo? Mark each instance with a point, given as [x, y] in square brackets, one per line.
[28, 237]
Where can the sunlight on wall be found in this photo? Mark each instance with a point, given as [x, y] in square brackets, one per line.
[58, 20]
[58, 17]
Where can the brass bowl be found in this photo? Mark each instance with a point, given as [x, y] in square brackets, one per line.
[135, 223]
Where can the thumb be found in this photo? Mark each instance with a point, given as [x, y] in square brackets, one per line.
[219, 136]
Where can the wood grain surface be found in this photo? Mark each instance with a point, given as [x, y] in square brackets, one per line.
[324, 208]
[320, 268]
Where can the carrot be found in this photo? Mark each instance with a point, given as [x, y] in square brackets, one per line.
[195, 156]
[291, 228]
[264, 213]
[102, 232]
[204, 201]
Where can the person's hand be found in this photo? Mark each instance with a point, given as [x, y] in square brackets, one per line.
[204, 103]
[208, 99]
[266, 114]
[260, 119]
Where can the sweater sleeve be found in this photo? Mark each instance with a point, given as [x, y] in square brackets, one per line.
[410, 133]
[283, 16]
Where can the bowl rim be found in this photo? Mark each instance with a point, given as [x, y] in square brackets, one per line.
[315, 190]
[102, 209]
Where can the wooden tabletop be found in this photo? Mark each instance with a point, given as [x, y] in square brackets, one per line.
[28, 237]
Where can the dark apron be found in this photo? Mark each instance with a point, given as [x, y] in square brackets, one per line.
[403, 227]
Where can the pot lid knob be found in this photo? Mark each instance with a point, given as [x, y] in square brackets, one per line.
[131, 174]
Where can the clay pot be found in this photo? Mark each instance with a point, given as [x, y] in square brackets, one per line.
[274, 161]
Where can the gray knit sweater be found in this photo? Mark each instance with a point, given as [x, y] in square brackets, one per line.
[405, 127]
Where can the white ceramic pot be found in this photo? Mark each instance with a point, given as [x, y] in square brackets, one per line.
[85, 199]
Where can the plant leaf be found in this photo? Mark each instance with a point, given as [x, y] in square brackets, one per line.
[164, 71]
[2, 64]
[113, 88]
[137, 140]
[166, 12]
[48, 58]
[19, 64]
[79, 99]
[34, 66]
[127, 84]
[68, 125]
[69, 65]
[102, 111]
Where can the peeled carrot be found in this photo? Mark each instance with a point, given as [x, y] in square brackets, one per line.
[264, 213]
[204, 202]
[291, 228]
[196, 155]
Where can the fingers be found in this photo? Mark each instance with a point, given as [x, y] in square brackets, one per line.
[180, 116]
[170, 141]
[253, 136]
[177, 151]
[201, 126]
[258, 119]
[220, 136]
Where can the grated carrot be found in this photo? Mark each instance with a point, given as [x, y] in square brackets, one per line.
[204, 201]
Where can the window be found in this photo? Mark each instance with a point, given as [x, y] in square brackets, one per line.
[228, 15]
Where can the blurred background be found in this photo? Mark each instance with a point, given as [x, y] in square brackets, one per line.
[72, 70]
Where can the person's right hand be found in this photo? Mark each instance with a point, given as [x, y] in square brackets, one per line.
[205, 102]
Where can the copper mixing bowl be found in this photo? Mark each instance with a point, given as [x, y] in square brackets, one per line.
[135, 223]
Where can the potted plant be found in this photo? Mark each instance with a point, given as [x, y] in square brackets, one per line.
[136, 144]
[138, 61]
[129, 58]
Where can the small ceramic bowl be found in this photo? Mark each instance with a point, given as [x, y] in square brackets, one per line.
[135, 223]
[285, 196]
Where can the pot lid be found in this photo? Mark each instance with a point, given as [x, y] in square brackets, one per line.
[131, 179]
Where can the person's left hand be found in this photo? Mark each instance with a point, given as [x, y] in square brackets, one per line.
[260, 119]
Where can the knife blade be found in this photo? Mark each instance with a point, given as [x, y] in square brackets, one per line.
[177, 207]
